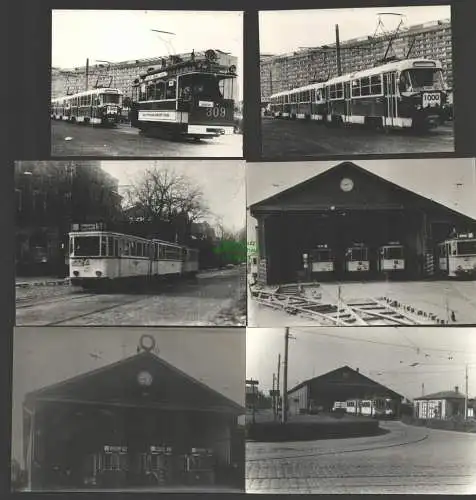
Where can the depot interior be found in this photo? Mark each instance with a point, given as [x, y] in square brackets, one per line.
[344, 207]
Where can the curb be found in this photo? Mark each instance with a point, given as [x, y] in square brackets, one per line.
[64, 282]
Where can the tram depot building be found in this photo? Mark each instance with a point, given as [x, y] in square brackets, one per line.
[343, 384]
[134, 423]
[344, 206]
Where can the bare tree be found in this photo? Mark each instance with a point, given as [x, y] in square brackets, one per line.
[163, 194]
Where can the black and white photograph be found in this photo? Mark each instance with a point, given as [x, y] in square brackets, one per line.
[146, 83]
[131, 409]
[356, 81]
[361, 411]
[364, 242]
[137, 242]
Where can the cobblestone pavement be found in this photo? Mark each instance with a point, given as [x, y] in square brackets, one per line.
[437, 297]
[296, 138]
[69, 139]
[195, 303]
[406, 460]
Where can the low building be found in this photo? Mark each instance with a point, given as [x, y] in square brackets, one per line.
[340, 386]
[137, 422]
[440, 405]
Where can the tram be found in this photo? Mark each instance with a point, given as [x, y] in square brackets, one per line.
[189, 98]
[391, 258]
[321, 259]
[103, 257]
[457, 256]
[402, 94]
[357, 258]
[102, 106]
[378, 407]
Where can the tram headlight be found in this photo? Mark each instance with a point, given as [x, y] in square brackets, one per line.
[98, 274]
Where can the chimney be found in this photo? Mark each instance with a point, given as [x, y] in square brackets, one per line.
[456, 388]
[357, 370]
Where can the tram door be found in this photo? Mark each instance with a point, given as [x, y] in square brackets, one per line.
[390, 89]
[348, 103]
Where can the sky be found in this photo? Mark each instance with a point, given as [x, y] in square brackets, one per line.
[313, 28]
[222, 182]
[383, 354]
[450, 181]
[120, 35]
[215, 356]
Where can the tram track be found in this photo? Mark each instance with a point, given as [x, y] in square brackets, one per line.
[109, 307]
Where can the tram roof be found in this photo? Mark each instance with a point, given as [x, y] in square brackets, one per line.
[102, 90]
[122, 235]
[390, 66]
[172, 388]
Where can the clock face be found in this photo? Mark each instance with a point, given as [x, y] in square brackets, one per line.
[144, 378]
[346, 184]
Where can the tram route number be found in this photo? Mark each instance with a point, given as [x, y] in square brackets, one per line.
[431, 100]
[216, 112]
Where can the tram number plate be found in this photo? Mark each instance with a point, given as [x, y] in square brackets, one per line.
[430, 100]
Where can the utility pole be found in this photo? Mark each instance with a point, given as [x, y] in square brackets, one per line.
[277, 384]
[285, 377]
[423, 388]
[466, 395]
[86, 84]
[339, 66]
[274, 397]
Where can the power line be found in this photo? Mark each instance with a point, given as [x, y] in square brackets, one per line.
[354, 339]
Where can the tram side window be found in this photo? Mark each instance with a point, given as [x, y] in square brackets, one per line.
[170, 90]
[116, 247]
[365, 86]
[355, 88]
[376, 84]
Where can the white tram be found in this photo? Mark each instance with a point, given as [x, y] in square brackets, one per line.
[357, 258]
[321, 259]
[99, 257]
[457, 256]
[102, 106]
[391, 257]
[410, 93]
[379, 407]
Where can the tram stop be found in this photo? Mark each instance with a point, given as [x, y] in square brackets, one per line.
[348, 223]
[139, 422]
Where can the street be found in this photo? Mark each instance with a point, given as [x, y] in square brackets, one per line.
[298, 138]
[407, 460]
[434, 297]
[69, 139]
[214, 299]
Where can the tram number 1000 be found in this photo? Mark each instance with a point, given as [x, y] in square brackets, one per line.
[216, 112]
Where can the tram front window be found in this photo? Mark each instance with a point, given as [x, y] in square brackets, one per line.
[467, 248]
[394, 253]
[358, 254]
[110, 98]
[415, 80]
[205, 87]
[86, 246]
[321, 256]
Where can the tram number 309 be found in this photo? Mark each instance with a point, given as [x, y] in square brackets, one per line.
[216, 112]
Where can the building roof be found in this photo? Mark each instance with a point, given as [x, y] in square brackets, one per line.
[442, 395]
[117, 385]
[302, 196]
[346, 376]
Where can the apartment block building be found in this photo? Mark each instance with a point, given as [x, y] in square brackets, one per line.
[432, 40]
[118, 75]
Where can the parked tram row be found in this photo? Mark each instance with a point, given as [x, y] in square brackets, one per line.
[407, 94]
[192, 98]
[102, 258]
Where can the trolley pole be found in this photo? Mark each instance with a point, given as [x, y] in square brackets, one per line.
[466, 394]
[285, 377]
[339, 65]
